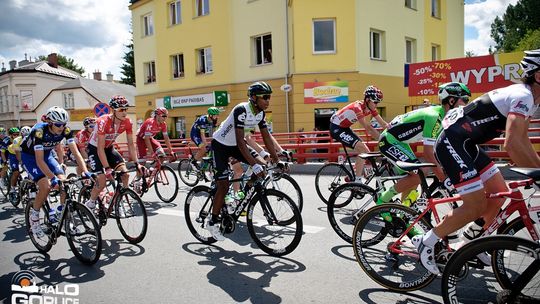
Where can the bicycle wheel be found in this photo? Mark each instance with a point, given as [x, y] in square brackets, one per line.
[274, 222]
[286, 184]
[83, 234]
[389, 261]
[466, 281]
[187, 173]
[166, 184]
[84, 194]
[45, 243]
[346, 205]
[5, 185]
[329, 177]
[130, 216]
[197, 207]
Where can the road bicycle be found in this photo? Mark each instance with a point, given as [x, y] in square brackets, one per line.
[75, 222]
[273, 220]
[121, 204]
[192, 175]
[161, 177]
[383, 248]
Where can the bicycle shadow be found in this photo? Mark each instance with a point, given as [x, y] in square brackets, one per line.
[382, 295]
[16, 233]
[152, 207]
[337, 251]
[244, 276]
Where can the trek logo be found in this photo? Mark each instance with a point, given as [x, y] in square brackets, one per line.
[346, 137]
[522, 106]
[483, 121]
[409, 132]
[454, 154]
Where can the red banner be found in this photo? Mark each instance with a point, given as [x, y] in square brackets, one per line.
[481, 74]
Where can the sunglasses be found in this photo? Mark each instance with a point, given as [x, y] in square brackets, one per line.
[265, 97]
[465, 98]
[59, 124]
[164, 116]
[90, 126]
[122, 110]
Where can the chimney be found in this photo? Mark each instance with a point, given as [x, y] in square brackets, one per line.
[97, 75]
[25, 61]
[52, 60]
[12, 64]
[109, 77]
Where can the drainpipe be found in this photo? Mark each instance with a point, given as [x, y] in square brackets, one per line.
[287, 58]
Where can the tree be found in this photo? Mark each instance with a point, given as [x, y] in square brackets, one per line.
[516, 23]
[66, 62]
[531, 41]
[128, 68]
[469, 54]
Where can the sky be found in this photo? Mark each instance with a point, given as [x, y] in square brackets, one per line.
[94, 32]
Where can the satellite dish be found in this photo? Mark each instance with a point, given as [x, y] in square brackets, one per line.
[286, 87]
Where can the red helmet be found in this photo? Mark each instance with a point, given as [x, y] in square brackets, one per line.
[161, 112]
[118, 101]
[373, 93]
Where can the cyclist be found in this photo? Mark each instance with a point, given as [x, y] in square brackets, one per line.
[4, 142]
[102, 155]
[228, 141]
[82, 137]
[424, 123]
[39, 163]
[469, 168]
[146, 143]
[358, 111]
[12, 158]
[203, 124]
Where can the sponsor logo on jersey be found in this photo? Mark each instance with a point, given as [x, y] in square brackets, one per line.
[483, 121]
[467, 175]
[346, 137]
[397, 154]
[38, 133]
[242, 117]
[409, 132]
[436, 129]
[522, 106]
[467, 127]
[454, 154]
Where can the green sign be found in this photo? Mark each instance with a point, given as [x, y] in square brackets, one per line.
[167, 102]
[221, 98]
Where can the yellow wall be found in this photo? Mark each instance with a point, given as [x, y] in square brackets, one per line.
[455, 27]
[435, 30]
[146, 48]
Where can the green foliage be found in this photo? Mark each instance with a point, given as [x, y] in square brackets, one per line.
[516, 23]
[531, 41]
[128, 68]
[469, 54]
[65, 62]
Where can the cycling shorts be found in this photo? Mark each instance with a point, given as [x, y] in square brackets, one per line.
[395, 150]
[113, 158]
[141, 147]
[222, 153]
[35, 173]
[13, 162]
[345, 136]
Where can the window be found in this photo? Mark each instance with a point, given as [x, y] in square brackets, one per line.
[436, 8]
[69, 101]
[205, 61]
[148, 25]
[175, 12]
[202, 7]
[410, 4]
[150, 72]
[177, 65]
[263, 49]
[410, 50]
[435, 52]
[324, 36]
[376, 44]
[3, 99]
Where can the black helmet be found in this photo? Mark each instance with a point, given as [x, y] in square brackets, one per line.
[259, 88]
[453, 89]
[530, 63]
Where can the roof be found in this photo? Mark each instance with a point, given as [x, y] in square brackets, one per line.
[101, 90]
[43, 66]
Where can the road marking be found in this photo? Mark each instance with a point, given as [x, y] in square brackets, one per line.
[168, 211]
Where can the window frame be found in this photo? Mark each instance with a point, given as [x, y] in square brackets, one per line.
[411, 4]
[334, 46]
[204, 61]
[259, 50]
[69, 103]
[175, 12]
[437, 49]
[205, 10]
[175, 65]
[381, 44]
[436, 9]
[412, 50]
[150, 72]
[148, 27]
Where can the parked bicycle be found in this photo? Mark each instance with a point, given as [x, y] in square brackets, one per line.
[161, 177]
[75, 222]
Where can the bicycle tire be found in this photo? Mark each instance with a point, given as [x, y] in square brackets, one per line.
[6, 185]
[197, 206]
[283, 213]
[127, 212]
[90, 251]
[399, 272]
[45, 245]
[343, 216]
[295, 193]
[326, 185]
[188, 176]
[459, 284]
[172, 180]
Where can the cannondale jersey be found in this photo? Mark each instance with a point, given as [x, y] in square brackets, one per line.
[241, 117]
[422, 124]
[42, 139]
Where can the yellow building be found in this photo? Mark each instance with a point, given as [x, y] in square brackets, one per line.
[190, 53]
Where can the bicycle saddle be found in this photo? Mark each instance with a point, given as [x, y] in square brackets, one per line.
[413, 166]
[533, 173]
[370, 155]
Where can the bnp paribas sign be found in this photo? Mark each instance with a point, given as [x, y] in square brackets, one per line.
[218, 98]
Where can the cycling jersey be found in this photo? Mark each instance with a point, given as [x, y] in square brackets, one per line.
[204, 124]
[420, 124]
[42, 139]
[350, 114]
[15, 146]
[4, 143]
[105, 125]
[151, 127]
[81, 138]
[242, 116]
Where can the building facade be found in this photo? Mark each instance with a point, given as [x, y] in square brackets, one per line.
[190, 54]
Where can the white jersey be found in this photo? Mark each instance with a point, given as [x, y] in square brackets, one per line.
[515, 99]
[241, 117]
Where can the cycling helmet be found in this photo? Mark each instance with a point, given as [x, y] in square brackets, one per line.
[2, 131]
[259, 88]
[118, 102]
[57, 114]
[88, 121]
[530, 63]
[25, 131]
[373, 93]
[453, 89]
[213, 111]
[161, 112]
[13, 130]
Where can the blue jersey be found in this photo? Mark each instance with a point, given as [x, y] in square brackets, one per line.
[4, 143]
[204, 124]
[42, 139]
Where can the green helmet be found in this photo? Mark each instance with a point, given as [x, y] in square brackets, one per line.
[213, 111]
[2, 131]
[453, 89]
[13, 130]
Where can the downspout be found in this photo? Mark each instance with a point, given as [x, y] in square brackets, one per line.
[287, 58]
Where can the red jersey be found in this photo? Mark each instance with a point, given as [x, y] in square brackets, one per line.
[81, 138]
[105, 126]
[150, 127]
[350, 114]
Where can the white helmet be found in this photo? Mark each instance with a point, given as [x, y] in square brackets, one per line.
[25, 131]
[531, 62]
[57, 114]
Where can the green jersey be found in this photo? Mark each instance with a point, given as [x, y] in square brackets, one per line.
[422, 124]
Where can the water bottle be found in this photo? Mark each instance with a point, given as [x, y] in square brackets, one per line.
[205, 164]
[341, 159]
[230, 203]
[54, 214]
[411, 198]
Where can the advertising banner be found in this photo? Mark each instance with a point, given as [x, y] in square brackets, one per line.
[324, 92]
